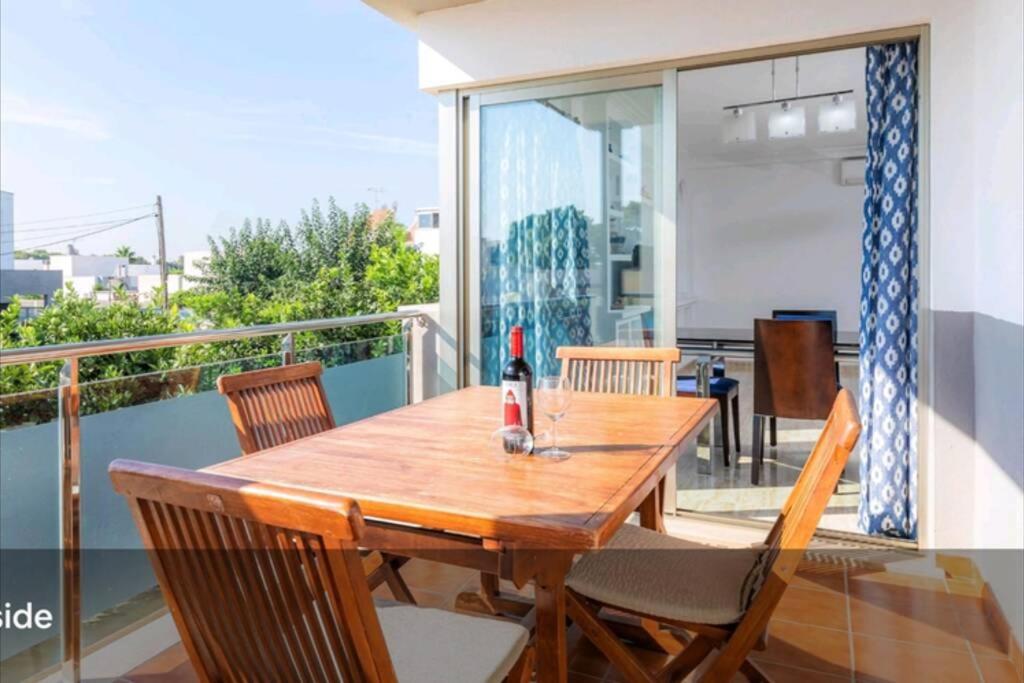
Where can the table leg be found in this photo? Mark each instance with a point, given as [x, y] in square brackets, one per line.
[651, 512]
[549, 591]
[706, 438]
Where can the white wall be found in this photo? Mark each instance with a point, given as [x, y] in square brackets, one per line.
[80, 265]
[756, 238]
[972, 179]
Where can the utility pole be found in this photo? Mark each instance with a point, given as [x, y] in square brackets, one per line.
[163, 249]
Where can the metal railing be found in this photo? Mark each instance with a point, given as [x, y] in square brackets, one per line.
[69, 414]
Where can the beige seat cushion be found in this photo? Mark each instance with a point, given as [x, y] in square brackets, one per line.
[436, 646]
[660, 575]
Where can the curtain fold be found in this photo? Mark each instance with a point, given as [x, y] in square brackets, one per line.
[544, 273]
[889, 295]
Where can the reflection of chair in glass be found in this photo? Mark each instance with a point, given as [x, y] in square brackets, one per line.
[265, 583]
[723, 597]
[794, 376]
[276, 405]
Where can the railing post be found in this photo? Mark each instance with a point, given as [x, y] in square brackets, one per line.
[413, 359]
[69, 401]
[288, 349]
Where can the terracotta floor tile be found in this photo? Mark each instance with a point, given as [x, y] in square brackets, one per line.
[899, 589]
[779, 673]
[815, 607]
[829, 578]
[984, 639]
[587, 659]
[880, 659]
[170, 666]
[996, 670]
[914, 622]
[435, 577]
[807, 647]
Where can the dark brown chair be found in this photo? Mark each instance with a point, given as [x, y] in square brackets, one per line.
[794, 376]
[704, 598]
[277, 405]
[265, 583]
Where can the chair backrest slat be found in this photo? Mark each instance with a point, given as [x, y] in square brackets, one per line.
[793, 530]
[620, 369]
[277, 405]
[263, 582]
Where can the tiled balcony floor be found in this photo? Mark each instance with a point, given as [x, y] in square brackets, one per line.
[833, 624]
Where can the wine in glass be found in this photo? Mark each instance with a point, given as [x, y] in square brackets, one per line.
[554, 394]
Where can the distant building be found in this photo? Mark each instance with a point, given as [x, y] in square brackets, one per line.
[192, 263]
[425, 231]
[6, 230]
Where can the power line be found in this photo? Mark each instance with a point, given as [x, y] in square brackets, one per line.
[84, 234]
[66, 228]
[84, 215]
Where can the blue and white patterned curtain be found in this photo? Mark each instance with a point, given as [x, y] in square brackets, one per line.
[544, 273]
[889, 296]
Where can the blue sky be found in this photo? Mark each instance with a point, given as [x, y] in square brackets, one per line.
[227, 109]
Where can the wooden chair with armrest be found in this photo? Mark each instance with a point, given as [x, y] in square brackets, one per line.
[794, 376]
[713, 599]
[265, 583]
[277, 405]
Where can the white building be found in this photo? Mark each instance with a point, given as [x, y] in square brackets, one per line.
[425, 231]
[6, 230]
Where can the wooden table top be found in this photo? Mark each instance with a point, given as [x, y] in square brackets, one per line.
[433, 464]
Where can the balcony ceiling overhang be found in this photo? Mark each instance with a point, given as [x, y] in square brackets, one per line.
[406, 11]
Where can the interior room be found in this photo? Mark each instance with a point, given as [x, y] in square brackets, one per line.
[769, 218]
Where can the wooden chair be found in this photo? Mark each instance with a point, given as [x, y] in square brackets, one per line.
[644, 371]
[804, 314]
[265, 583]
[708, 598]
[794, 376]
[277, 405]
[620, 369]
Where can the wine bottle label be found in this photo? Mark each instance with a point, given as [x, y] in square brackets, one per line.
[516, 406]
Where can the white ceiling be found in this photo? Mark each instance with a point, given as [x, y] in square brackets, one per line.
[704, 92]
[405, 11]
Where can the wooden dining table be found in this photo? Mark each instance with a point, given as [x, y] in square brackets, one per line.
[433, 483]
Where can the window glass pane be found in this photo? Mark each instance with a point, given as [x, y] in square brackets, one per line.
[567, 196]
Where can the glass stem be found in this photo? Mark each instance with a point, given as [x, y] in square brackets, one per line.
[554, 435]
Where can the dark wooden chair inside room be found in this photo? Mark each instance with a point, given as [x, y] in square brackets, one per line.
[794, 376]
[277, 405]
[803, 314]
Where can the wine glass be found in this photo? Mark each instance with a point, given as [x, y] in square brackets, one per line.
[554, 394]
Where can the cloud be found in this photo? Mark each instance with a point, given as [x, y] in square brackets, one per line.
[18, 110]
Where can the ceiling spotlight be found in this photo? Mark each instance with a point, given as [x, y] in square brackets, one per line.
[738, 125]
[837, 116]
[787, 122]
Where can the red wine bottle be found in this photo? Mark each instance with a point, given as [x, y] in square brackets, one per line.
[517, 387]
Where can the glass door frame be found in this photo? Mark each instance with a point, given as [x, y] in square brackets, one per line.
[469, 185]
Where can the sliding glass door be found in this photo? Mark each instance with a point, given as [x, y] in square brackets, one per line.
[567, 220]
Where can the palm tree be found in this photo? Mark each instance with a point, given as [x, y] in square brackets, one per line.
[124, 251]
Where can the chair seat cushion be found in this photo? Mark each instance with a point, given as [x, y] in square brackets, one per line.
[663, 576]
[719, 385]
[436, 646]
